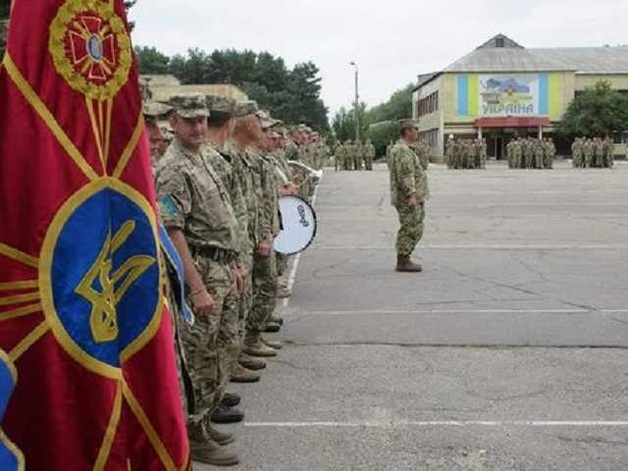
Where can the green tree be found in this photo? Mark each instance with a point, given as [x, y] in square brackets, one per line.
[383, 133]
[398, 106]
[5, 8]
[290, 95]
[597, 111]
[343, 124]
[151, 61]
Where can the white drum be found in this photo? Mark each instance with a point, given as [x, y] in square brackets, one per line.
[298, 225]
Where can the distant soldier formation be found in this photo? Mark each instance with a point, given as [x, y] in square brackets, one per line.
[531, 153]
[354, 155]
[592, 153]
[465, 153]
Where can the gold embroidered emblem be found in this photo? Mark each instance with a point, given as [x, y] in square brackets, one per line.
[104, 290]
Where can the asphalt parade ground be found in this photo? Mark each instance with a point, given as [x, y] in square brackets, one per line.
[509, 352]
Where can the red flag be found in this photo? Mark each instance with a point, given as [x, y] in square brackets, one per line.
[82, 312]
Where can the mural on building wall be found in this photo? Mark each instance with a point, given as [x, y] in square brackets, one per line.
[509, 95]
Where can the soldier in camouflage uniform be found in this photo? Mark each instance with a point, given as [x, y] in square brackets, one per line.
[220, 126]
[409, 191]
[246, 163]
[339, 156]
[539, 153]
[589, 152]
[369, 155]
[265, 230]
[577, 153]
[196, 210]
[550, 153]
[609, 156]
[358, 155]
[449, 152]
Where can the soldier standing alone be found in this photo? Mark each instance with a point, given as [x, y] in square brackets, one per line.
[408, 186]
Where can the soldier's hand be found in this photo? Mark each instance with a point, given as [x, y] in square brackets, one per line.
[263, 249]
[413, 201]
[238, 281]
[202, 303]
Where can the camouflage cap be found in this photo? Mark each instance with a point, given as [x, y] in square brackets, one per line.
[408, 124]
[155, 109]
[190, 106]
[267, 120]
[245, 108]
[220, 104]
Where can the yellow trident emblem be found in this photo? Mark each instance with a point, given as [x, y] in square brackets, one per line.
[103, 319]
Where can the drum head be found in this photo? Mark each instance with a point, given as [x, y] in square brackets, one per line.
[298, 225]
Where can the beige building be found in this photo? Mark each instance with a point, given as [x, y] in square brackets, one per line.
[164, 86]
[502, 90]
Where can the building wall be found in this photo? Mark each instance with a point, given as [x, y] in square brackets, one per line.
[431, 124]
[618, 82]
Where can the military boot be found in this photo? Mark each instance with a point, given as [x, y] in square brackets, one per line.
[210, 452]
[272, 343]
[226, 415]
[405, 264]
[222, 438]
[272, 327]
[276, 320]
[230, 400]
[244, 375]
[254, 346]
[252, 363]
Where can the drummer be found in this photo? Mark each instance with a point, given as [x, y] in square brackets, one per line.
[285, 187]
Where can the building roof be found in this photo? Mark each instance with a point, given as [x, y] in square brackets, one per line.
[501, 54]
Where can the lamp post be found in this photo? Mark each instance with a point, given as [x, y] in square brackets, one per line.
[356, 104]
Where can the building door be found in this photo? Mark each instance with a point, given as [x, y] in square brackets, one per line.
[499, 147]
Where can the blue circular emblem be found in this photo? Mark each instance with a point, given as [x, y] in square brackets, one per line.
[103, 275]
[95, 47]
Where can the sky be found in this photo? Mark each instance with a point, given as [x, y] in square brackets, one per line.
[391, 41]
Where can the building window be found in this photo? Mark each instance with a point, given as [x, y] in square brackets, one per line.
[499, 42]
[428, 105]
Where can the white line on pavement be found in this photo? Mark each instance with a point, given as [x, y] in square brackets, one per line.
[461, 311]
[481, 247]
[445, 423]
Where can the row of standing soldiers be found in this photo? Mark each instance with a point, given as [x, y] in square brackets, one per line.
[466, 153]
[531, 153]
[218, 184]
[307, 147]
[354, 156]
[594, 152]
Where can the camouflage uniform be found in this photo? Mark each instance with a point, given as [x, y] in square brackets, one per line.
[577, 154]
[539, 153]
[243, 170]
[193, 199]
[589, 153]
[264, 268]
[550, 153]
[406, 177]
[369, 155]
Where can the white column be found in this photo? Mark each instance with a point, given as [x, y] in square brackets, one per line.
[480, 132]
[540, 132]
